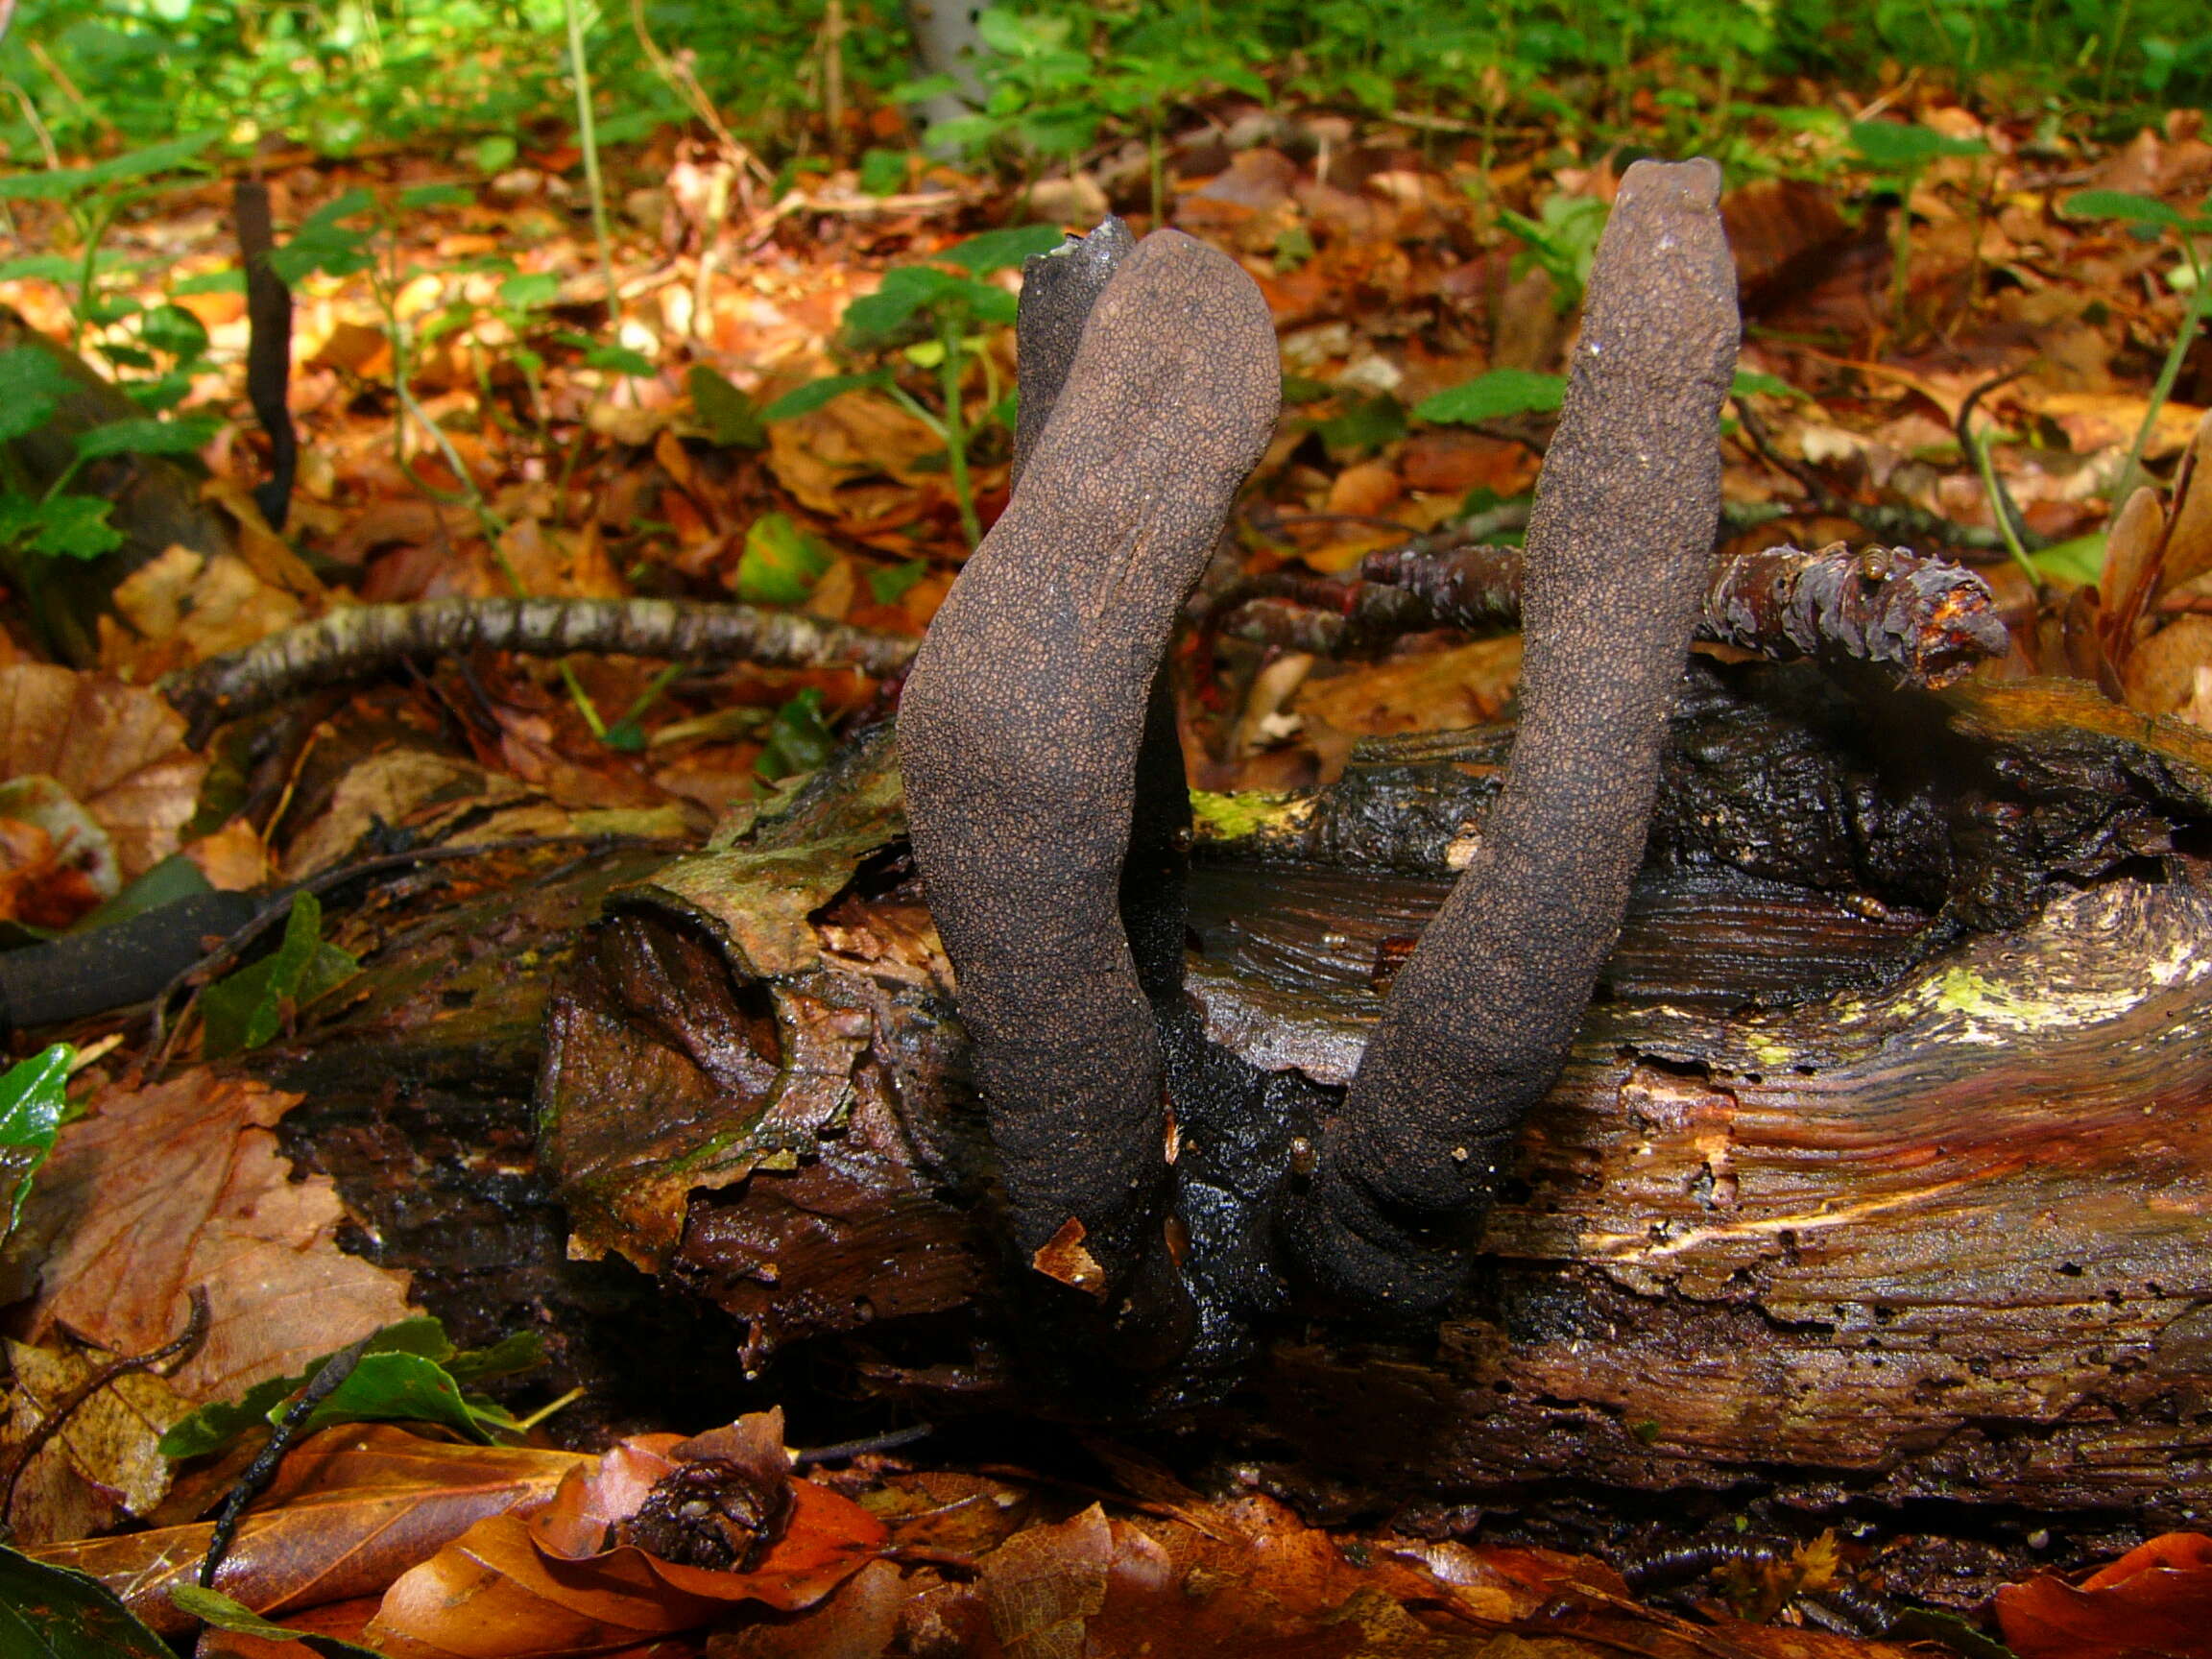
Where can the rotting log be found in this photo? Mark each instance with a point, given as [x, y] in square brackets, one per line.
[1881, 1168]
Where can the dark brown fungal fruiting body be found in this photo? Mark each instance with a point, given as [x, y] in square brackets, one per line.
[1478, 1021]
[1020, 734]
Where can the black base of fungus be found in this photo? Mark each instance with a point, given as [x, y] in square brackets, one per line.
[1478, 1021]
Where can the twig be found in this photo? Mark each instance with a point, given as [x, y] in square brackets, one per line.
[263, 1468]
[844, 1449]
[163, 1359]
[361, 640]
[1924, 621]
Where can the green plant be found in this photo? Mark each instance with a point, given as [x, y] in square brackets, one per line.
[409, 1373]
[2146, 215]
[933, 317]
[31, 1105]
[1897, 156]
[248, 1008]
[92, 197]
[58, 521]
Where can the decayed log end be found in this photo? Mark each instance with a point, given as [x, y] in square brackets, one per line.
[1880, 1165]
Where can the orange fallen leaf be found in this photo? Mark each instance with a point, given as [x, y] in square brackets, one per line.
[117, 750]
[511, 1589]
[350, 1510]
[2154, 1603]
[154, 1191]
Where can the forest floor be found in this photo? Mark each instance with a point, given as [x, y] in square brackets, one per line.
[1923, 316]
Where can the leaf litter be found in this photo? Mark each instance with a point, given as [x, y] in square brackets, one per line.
[1426, 309]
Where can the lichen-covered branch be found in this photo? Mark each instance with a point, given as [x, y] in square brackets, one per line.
[1923, 621]
[365, 639]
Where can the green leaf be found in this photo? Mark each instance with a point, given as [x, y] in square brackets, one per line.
[621, 360]
[164, 157]
[230, 280]
[2135, 209]
[891, 586]
[30, 1108]
[32, 379]
[883, 171]
[73, 527]
[326, 243]
[2080, 561]
[423, 196]
[147, 436]
[509, 1357]
[1495, 396]
[44, 267]
[1895, 147]
[495, 154]
[1748, 383]
[907, 292]
[213, 1607]
[530, 291]
[52, 1613]
[247, 1009]
[815, 394]
[1363, 424]
[799, 740]
[1000, 249]
[175, 331]
[408, 1374]
[732, 419]
[780, 563]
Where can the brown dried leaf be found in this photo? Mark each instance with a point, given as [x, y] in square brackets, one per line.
[835, 460]
[352, 1509]
[184, 607]
[154, 1191]
[118, 750]
[2189, 543]
[103, 1464]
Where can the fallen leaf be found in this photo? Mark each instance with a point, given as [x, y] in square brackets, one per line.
[512, 1589]
[350, 1510]
[105, 1464]
[157, 1190]
[118, 750]
[2154, 1603]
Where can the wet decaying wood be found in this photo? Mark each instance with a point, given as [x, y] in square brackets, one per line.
[1881, 1169]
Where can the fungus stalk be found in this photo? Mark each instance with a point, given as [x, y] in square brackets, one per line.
[1150, 387]
[1478, 1021]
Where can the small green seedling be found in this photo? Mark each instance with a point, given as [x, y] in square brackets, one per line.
[1897, 156]
[410, 1373]
[248, 1008]
[58, 521]
[934, 317]
[2147, 217]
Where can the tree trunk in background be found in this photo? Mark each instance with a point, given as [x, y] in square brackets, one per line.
[946, 43]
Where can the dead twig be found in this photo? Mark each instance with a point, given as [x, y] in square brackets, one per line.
[362, 639]
[1921, 620]
[263, 1468]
